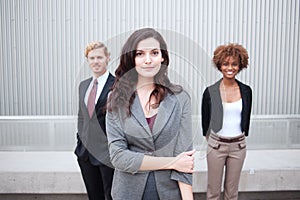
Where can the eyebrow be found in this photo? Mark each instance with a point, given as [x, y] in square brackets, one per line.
[148, 48]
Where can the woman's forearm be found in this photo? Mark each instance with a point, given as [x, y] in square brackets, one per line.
[157, 163]
[186, 191]
[183, 162]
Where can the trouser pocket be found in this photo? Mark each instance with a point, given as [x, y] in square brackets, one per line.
[242, 145]
[213, 143]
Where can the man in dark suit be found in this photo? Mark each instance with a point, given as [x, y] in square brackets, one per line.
[92, 150]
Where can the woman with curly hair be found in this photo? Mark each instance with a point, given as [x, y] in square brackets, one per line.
[149, 125]
[226, 108]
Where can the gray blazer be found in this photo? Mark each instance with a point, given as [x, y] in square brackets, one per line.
[91, 135]
[130, 138]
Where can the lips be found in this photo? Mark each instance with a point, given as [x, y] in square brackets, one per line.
[148, 68]
[97, 67]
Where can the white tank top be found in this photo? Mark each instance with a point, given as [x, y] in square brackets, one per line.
[231, 119]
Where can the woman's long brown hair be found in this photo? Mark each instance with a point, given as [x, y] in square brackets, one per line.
[124, 88]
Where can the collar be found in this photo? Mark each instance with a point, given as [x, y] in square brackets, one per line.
[102, 78]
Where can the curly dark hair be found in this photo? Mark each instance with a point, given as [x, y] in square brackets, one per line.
[237, 51]
[124, 88]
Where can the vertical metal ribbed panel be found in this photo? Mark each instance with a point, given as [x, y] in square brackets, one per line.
[42, 45]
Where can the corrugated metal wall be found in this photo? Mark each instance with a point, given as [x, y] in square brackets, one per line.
[42, 44]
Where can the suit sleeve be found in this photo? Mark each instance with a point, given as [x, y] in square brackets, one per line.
[121, 157]
[80, 117]
[205, 111]
[248, 112]
[184, 140]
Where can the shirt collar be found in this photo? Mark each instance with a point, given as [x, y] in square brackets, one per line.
[103, 77]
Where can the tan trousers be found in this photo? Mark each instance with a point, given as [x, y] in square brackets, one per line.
[229, 153]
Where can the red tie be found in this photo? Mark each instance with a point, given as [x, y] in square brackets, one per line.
[92, 97]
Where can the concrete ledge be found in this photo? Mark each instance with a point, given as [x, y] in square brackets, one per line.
[58, 172]
[264, 170]
[40, 172]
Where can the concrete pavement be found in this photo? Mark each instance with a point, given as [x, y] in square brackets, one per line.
[58, 172]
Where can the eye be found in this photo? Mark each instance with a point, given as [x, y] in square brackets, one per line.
[155, 52]
[139, 54]
[225, 64]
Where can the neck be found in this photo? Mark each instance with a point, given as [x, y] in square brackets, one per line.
[229, 82]
[145, 88]
[97, 75]
[145, 84]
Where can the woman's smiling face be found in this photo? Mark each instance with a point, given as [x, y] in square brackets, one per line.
[148, 58]
[230, 67]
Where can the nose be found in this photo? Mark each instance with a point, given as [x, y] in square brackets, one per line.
[96, 60]
[147, 59]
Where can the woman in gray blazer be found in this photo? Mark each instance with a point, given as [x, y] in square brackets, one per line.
[149, 126]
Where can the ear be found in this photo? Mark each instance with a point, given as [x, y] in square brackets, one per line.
[162, 60]
[107, 59]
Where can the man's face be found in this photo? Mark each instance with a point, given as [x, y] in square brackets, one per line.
[97, 61]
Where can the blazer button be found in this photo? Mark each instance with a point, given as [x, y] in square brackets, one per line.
[149, 153]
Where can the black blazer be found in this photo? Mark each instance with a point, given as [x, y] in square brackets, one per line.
[91, 135]
[212, 109]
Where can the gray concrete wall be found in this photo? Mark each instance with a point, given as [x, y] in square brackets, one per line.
[58, 133]
[42, 45]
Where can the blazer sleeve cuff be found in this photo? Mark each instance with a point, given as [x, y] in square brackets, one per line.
[182, 177]
[125, 160]
[136, 164]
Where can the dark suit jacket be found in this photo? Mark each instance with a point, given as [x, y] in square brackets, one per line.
[91, 135]
[212, 109]
[130, 138]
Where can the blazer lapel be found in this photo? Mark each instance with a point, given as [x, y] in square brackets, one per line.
[244, 94]
[138, 114]
[105, 90]
[216, 121]
[216, 96]
[165, 111]
[84, 88]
